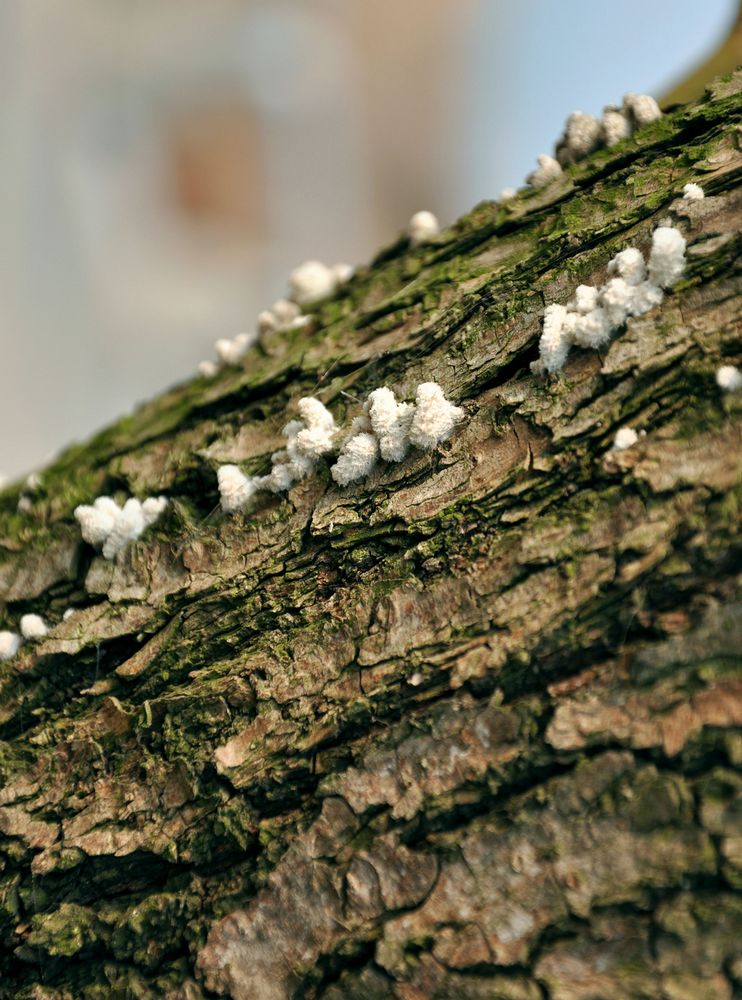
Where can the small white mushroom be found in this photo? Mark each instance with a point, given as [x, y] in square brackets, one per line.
[207, 369]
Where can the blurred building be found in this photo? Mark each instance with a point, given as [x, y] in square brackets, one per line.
[165, 163]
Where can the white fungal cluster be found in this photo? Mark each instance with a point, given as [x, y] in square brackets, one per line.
[693, 192]
[386, 429]
[547, 171]
[626, 437]
[422, 227]
[313, 281]
[109, 527]
[309, 283]
[729, 378]
[584, 133]
[10, 643]
[31, 627]
[594, 314]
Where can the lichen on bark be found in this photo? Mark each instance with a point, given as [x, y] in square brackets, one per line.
[470, 728]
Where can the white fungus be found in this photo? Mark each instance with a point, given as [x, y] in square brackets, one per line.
[385, 429]
[10, 643]
[68, 614]
[230, 352]
[357, 458]
[434, 419]
[547, 171]
[235, 488]
[33, 627]
[593, 314]
[582, 136]
[390, 422]
[207, 369]
[629, 265]
[311, 282]
[109, 527]
[422, 227]
[625, 438]
[317, 437]
[667, 256]
[615, 125]
[554, 343]
[642, 108]
[507, 193]
[693, 192]
[343, 273]
[729, 378]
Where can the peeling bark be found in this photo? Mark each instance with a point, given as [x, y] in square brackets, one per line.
[471, 728]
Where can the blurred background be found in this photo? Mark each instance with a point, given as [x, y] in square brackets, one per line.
[165, 163]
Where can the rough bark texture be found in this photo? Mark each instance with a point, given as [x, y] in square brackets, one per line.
[470, 729]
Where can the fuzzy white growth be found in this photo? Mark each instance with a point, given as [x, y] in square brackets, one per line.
[311, 282]
[207, 369]
[390, 422]
[625, 438]
[434, 419]
[629, 265]
[68, 614]
[693, 192]
[554, 343]
[594, 314]
[96, 522]
[357, 458]
[33, 627]
[152, 508]
[129, 525]
[729, 378]
[616, 297]
[235, 488]
[593, 329]
[547, 171]
[667, 256]
[582, 134]
[230, 352]
[586, 299]
[643, 108]
[422, 227]
[615, 125]
[342, 273]
[10, 643]
[507, 193]
[109, 527]
[317, 438]
[645, 297]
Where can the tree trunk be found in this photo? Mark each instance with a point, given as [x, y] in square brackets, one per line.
[469, 729]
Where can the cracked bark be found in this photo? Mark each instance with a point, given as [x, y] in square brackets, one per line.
[469, 729]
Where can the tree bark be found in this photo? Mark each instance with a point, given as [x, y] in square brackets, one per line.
[469, 729]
